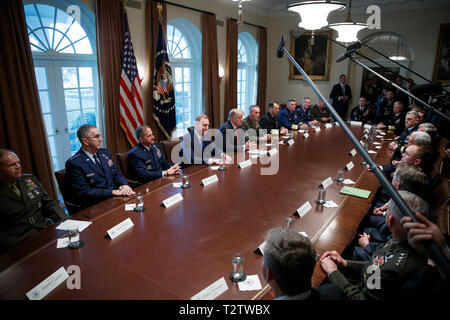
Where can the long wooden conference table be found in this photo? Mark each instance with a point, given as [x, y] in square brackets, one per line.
[176, 252]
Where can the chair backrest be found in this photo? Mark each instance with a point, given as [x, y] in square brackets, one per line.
[441, 195]
[122, 160]
[71, 207]
[167, 146]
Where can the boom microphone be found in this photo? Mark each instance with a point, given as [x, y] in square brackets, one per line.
[350, 49]
[280, 48]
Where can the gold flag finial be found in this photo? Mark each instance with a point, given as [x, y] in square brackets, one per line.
[159, 6]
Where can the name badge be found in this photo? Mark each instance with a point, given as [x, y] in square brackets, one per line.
[90, 175]
[326, 183]
[245, 164]
[305, 135]
[120, 228]
[48, 285]
[350, 166]
[172, 200]
[210, 180]
[212, 291]
[303, 209]
[317, 129]
[353, 152]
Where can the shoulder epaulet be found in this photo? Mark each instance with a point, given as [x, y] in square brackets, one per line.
[75, 156]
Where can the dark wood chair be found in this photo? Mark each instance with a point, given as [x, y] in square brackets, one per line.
[122, 160]
[167, 146]
[441, 197]
[70, 206]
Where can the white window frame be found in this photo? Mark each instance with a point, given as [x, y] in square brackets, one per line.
[251, 68]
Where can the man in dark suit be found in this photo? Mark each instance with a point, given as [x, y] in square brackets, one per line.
[146, 162]
[360, 112]
[196, 141]
[25, 207]
[341, 94]
[304, 113]
[270, 122]
[91, 175]
[386, 108]
[234, 138]
[397, 118]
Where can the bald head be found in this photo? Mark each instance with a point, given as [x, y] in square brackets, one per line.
[10, 168]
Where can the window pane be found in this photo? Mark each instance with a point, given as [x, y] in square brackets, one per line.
[187, 75]
[63, 21]
[52, 143]
[74, 120]
[32, 19]
[69, 49]
[83, 47]
[63, 44]
[85, 77]
[45, 102]
[89, 117]
[87, 98]
[49, 124]
[72, 99]
[70, 77]
[41, 78]
[74, 143]
[178, 74]
[75, 32]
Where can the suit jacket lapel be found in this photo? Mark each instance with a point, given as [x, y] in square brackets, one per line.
[91, 164]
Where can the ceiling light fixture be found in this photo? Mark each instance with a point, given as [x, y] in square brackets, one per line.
[314, 14]
[348, 30]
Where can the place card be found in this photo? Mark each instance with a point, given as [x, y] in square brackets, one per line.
[116, 231]
[365, 136]
[378, 136]
[260, 249]
[210, 180]
[173, 200]
[130, 206]
[272, 151]
[377, 143]
[250, 283]
[274, 132]
[317, 129]
[303, 209]
[356, 123]
[328, 125]
[371, 151]
[348, 181]
[71, 224]
[305, 135]
[62, 243]
[213, 168]
[303, 234]
[301, 130]
[326, 183]
[367, 126]
[353, 153]
[212, 291]
[285, 137]
[290, 142]
[48, 285]
[245, 164]
[349, 166]
[294, 127]
[378, 147]
[254, 151]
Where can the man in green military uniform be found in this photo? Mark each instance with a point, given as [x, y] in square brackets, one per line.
[320, 113]
[252, 122]
[25, 207]
[384, 276]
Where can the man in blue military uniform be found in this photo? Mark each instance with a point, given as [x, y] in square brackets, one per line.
[25, 207]
[146, 162]
[91, 175]
[288, 117]
[304, 113]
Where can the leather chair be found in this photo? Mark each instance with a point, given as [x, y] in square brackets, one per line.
[441, 197]
[122, 160]
[167, 146]
[71, 207]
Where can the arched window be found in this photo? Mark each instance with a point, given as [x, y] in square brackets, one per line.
[184, 47]
[247, 71]
[62, 40]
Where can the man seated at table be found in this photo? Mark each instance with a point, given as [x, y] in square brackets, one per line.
[146, 162]
[91, 175]
[196, 141]
[270, 122]
[384, 275]
[360, 112]
[252, 122]
[288, 265]
[385, 109]
[397, 118]
[411, 125]
[234, 138]
[288, 117]
[304, 114]
[320, 112]
[25, 207]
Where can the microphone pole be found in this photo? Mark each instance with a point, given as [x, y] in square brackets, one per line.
[435, 253]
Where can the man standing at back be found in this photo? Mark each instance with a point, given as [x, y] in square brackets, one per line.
[341, 94]
[91, 174]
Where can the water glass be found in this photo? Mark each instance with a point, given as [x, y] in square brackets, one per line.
[321, 197]
[238, 274]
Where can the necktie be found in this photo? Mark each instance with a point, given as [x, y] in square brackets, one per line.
[97, 162]
[15, 189]
[237, 136]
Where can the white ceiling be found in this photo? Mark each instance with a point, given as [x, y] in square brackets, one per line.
[278, 8]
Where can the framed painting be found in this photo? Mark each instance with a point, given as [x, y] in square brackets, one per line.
[442, 64]
[313, 57]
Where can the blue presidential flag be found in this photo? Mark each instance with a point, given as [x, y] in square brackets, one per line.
[163, 91]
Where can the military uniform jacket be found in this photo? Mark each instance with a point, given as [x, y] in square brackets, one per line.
[268, 122]
[358, 115]
[318, 113]
[396, 263]
[90, 183]
[146, 165]
[21, 216]
[287, 118]
[304, 115]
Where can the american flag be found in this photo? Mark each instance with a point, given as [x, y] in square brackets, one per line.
[131, 107]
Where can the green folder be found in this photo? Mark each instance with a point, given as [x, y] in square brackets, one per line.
[360, 193]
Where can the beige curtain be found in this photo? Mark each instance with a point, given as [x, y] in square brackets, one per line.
[151, 27]
[262, 68]
[231, 67]
[22, 127]
[110, 38]
[210, 69]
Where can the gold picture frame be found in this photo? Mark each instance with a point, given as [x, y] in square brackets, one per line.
[442, 65]
[314, 59]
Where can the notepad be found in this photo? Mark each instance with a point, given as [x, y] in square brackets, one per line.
[360, 193]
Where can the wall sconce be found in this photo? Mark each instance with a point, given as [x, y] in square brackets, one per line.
[221, 73]
[141, 72]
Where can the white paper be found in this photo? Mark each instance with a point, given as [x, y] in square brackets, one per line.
[254, 156]
[210, 180]
[377, 143]
[274, 132]
[304, 209]
[303, 234]
[213, 291]
[348, 181]
[350, 166]
[120, 228]
[378, 147]
[328, 125]
[327, 182]
[317, 129]
[48, 285]
[330, 204]
[290, 142]
[250, 283]
[378, 136]
[245, 164]
[62, 243]
[305, 135]
[367, 126]
[213, 168]
[177, 184]
[353, 152]
[172, 200]
[253, 151]
[70, 224]
[285, 137]
[301, 130]
[273, 151]
[371, 151]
